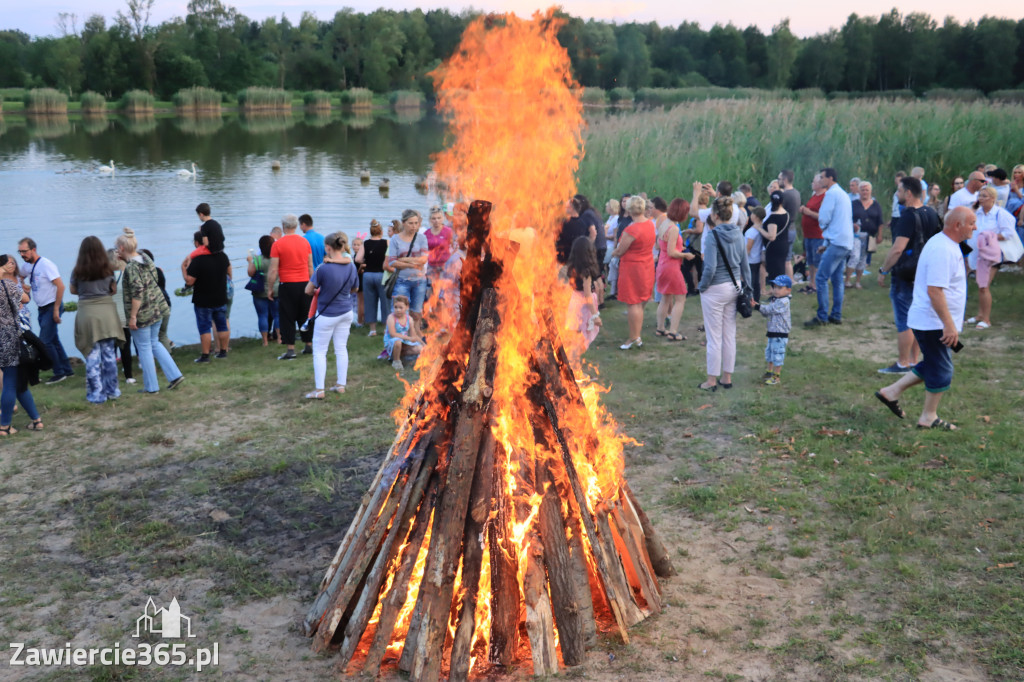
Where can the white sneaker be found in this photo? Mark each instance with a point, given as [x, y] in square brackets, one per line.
[130, 381]
[397, 364]
[972, 320]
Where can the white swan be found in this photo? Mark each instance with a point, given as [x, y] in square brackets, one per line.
[107, 169]
[187, 174]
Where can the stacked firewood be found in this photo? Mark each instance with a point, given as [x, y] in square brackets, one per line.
[441, 484]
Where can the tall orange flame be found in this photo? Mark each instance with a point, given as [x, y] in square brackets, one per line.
[516, 126]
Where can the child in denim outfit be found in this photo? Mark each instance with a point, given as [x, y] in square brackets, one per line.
[779, 324]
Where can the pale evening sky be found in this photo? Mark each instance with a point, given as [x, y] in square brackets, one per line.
[807, 17]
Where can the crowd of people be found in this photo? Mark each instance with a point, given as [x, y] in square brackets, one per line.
[722, 245]
[725, 246]
[303, 285]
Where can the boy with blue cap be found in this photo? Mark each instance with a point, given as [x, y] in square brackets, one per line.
[779, 323]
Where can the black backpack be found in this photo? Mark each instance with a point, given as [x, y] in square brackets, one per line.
[906, 266]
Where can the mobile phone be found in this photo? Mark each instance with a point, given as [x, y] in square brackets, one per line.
[958, 346]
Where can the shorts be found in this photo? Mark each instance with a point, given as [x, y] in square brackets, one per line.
[936, 366]
[811, 251]
[858, 258]
[775, 351]
[413, 289]
[206, 318]
[901, 293]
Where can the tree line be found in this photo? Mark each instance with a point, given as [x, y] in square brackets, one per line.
[216, 46]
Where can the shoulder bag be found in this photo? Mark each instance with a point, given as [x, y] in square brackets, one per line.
[258, 282]
[28, 342]
[743, 293]
[389, 288]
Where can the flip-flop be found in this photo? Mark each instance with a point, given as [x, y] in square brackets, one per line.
[893, 405]
[939, 424]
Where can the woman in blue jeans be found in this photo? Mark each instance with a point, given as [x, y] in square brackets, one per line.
[145, 307]
[10, 332]
[266, 309]
[407, 258]
[370, 256]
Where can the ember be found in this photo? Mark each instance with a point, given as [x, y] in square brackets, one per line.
[500, 522]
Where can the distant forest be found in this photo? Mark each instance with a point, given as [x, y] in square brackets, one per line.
[216, 46]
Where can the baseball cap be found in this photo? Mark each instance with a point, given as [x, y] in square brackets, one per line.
[782, 281]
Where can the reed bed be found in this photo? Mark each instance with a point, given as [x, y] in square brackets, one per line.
[622, 97]
[406, 99]
[1007, 96]
[92, 103]
[252, 100]
[47, 126]
[594, 97]
[356, 98]
[664, 151]
[317, 100]
[137, 103]
[197, 101]
[954, 95]
[46, 101]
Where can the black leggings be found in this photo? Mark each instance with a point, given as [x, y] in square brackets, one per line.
[293, 304]
[126, 353]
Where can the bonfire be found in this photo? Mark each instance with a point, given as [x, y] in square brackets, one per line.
[500, 530]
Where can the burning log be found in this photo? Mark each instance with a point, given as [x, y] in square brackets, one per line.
[413, 570]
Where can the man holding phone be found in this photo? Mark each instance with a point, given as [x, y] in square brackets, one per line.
[936, 316]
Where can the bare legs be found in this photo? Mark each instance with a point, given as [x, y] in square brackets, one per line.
[634, 320]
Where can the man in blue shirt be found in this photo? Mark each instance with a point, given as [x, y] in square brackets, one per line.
[315, 239]
[836, 219]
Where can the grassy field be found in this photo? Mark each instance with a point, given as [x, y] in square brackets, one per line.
[816, 536]
[662, 152]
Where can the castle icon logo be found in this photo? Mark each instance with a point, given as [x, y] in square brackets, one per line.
[168, 622]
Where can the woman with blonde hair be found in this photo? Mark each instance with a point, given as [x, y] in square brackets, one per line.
[145, 306]
[371, 255]
[15, 380]
[995, 225]
[636, 268]
[725, 260]
[334, 279]
[117, 265]
[407, 258]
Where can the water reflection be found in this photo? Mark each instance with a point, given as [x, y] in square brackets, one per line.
[199, 125]
[48, 125]
[54, 179]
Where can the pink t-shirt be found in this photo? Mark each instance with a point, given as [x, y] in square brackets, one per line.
[440, 245]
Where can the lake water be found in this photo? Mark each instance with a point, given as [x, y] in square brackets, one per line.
[52, 190]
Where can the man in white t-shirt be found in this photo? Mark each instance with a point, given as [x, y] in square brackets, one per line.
[41, 277]
[937, 316]
[968, 194]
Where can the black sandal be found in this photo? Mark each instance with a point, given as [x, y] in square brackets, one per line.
[893, 405]
[7, 430]
[675, 337]
[660, 332]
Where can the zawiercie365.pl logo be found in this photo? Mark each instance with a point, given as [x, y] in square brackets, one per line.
[167, 623]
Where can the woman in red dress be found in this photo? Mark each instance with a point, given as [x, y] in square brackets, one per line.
[636, 268]
[669, 273]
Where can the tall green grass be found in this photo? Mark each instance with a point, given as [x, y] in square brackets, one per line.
[136, 102]
[664, 152]
[621, 96]
[357, 98]
[46, 101]
[197, 100]
[317, 100]
[954, 94]
[93, 102]
[264, 99]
